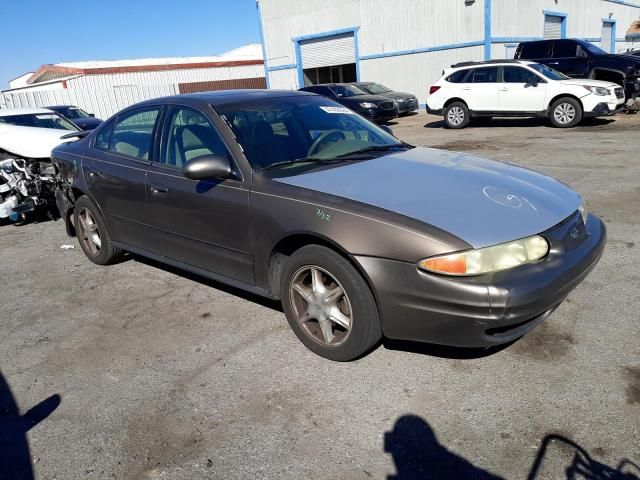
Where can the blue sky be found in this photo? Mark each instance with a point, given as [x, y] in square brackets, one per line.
[35, 32]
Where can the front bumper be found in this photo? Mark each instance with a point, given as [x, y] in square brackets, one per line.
[604, 110]
[379, 115]
[407, 107]
[490, 309]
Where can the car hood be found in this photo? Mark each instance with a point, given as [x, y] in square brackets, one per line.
[31, 142]
[583, 82]
[366, 98]
[397, 95]
[481, 201]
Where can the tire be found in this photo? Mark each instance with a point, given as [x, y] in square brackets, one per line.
[93, 235]
[565, 112]
[456, 115]
[344, 334]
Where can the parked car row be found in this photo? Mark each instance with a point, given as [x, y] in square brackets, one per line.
[371, 100]
[562, 80]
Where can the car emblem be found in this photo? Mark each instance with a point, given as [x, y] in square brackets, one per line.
[506, 198]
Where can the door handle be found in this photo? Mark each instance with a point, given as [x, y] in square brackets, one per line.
[466, 88]
[504, 90]
[158, 189]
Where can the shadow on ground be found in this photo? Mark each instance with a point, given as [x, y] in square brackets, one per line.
[15, 458]
[520, 123]
[417, 454]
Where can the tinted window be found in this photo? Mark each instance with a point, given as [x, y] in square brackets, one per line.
[532, 50]
[484, 75]
[458, 77]
[103, 136]
[518, 75]
[189, 135]
[133, 133]
[564, 49]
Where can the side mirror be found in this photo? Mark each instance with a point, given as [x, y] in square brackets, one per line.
[387, 129]
[207, 167]
[92, 114]
[532, 83]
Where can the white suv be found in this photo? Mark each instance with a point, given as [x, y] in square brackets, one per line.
[512, 88]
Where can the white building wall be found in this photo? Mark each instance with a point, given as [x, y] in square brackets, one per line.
[389, 33]
[520, 18]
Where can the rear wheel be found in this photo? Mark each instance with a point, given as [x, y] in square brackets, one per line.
[92, 234]
[328, 304]
[565, 113]
[456, 115]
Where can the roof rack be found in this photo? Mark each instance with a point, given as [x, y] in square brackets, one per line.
[488, 62]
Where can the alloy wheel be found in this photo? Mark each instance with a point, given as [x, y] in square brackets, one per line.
[455, 115]
[88, 232]
[321, 306]
[564, 113]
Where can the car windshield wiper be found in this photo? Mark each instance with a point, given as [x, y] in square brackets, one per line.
[291, 162]
[375, 148]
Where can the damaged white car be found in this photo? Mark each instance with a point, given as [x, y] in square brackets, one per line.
[27, 176]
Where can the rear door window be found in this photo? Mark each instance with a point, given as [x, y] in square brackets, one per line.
[484, 75]
[133, 133]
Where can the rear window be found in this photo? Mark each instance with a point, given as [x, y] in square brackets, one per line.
[529, 50]
[484, 75]
[458, 77]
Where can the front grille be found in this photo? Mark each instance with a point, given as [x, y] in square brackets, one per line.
[386, 105]
[619, 92]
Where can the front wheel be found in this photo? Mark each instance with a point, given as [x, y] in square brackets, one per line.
[457, 115]
[565, 113]
[328, 304]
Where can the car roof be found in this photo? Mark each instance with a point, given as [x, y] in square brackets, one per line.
[62, 106]
[6, 112]
[491, 63]
[222, 97]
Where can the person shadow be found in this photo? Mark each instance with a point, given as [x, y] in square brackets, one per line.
[417, 454]
[15, 457]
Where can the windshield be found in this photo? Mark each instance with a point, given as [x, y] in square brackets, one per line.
[313, 128]
[548, 72]
[40, 120]
[74, 112]
[375, 88]
[347, 91]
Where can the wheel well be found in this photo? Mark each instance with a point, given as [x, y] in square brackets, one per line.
[607, 75]
[452, 100]
[564, 95]
[289, 245]
[75, 193]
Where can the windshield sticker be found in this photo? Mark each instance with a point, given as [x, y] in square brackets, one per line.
[342, 110]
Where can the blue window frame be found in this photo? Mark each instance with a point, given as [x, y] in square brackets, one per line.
[563, 20]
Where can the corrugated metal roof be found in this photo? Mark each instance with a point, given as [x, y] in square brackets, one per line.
[247, 52]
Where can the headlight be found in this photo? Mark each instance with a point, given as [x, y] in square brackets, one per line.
[584, 212]
[400, 100]
[489, 259]
[368, 105]
[601, 91]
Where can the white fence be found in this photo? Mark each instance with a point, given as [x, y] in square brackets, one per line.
[103, 102]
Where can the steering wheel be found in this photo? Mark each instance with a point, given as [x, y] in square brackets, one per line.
[323, 137]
